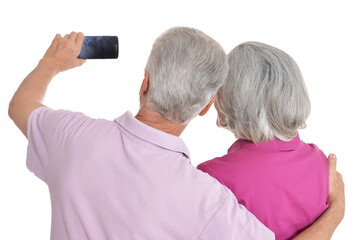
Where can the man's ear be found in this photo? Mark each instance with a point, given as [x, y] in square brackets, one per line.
[145, 85]
[206, 109]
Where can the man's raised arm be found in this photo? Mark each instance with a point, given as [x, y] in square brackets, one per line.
[60, 56]
[324, 227]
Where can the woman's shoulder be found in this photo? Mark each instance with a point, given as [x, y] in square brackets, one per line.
[315, 151]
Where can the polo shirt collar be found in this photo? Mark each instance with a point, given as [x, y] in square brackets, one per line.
[152, 135]
[276, 145]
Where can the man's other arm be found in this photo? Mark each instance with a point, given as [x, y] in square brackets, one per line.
[324, 227]
[60, 56]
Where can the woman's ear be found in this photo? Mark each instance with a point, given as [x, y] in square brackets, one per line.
[220, 121]
[206, 109]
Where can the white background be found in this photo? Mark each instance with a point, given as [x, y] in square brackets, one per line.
[322, 36]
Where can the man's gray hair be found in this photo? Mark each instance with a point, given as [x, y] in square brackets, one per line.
[264, 95]
[186, 68]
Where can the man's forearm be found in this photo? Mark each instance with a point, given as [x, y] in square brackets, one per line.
[31, 93]
[60, 56]
[324, 227]
[34, 86]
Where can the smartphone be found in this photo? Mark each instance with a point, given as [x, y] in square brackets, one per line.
[100, 47]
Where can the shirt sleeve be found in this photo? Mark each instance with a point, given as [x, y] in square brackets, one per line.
[45, 127]
[233, 221]
[205, 167]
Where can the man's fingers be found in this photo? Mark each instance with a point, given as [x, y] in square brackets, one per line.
[80, 62]
[332, 163]
[56, 38]
[79, 38]
[72, 36]
[340, 176]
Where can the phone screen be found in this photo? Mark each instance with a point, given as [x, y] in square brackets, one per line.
[100, 47]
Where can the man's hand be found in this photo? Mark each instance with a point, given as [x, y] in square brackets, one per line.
[63, 51]
[336, 188]
[61, 56]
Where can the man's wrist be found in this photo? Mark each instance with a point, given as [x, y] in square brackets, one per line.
[337, 209]
[49, 66]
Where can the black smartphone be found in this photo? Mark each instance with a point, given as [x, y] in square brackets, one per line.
[100, 47]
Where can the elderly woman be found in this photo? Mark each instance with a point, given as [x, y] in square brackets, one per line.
[280, 179]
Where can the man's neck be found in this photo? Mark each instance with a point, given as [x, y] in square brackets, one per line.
[157, 121]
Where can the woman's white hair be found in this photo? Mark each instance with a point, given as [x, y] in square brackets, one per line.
[264, 95]
[186, 68]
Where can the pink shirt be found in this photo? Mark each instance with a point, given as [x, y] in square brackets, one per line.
[284, 184]
[125, 180]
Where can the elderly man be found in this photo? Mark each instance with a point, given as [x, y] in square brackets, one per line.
[131, 178]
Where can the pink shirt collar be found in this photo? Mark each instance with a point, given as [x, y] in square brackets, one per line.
[152, 135]
[275, 144]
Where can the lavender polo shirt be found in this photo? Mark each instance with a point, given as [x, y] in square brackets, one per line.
[285, 184]
[125, 180]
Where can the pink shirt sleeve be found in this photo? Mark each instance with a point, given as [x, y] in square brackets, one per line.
[233, 221]
[45, 127]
